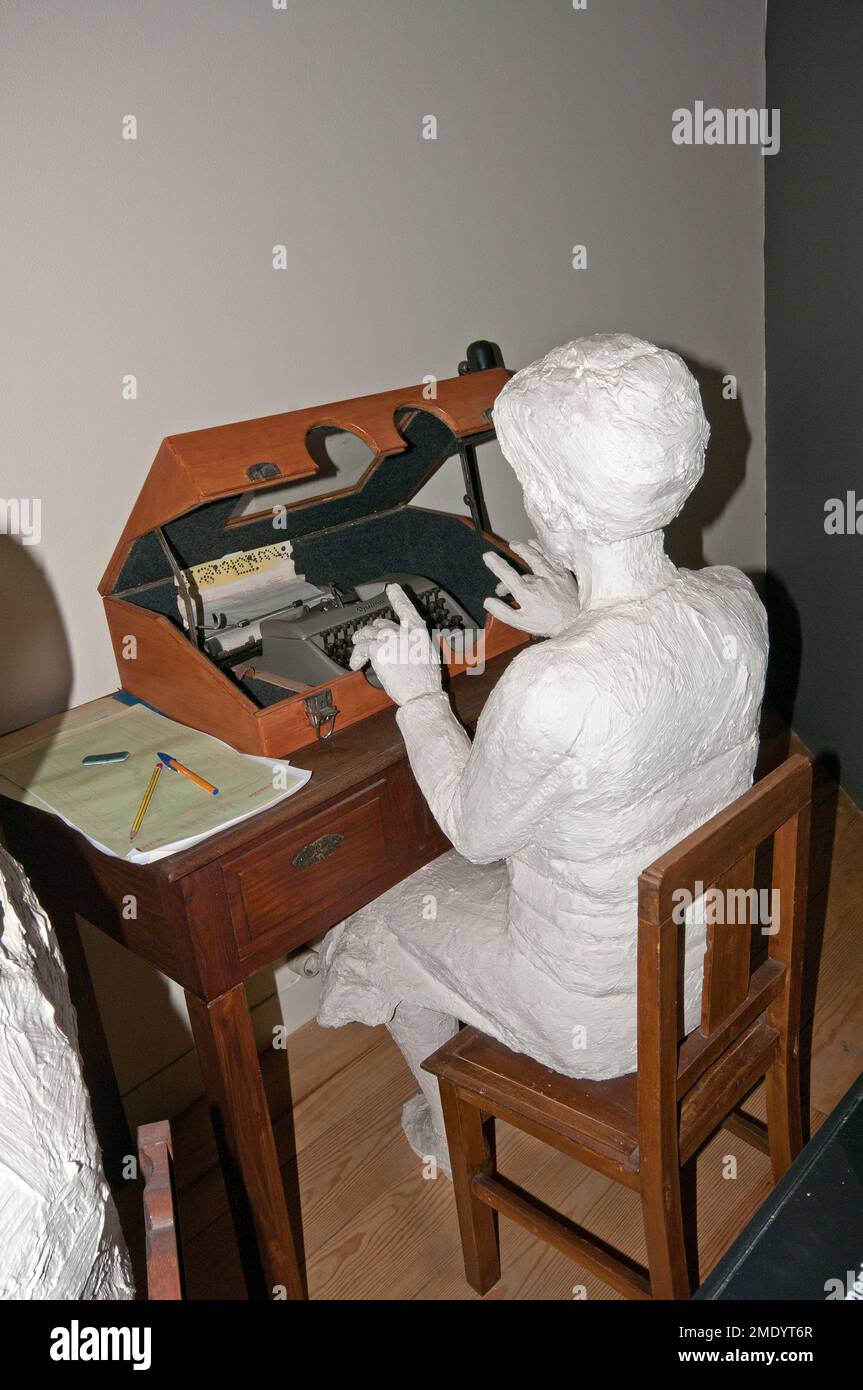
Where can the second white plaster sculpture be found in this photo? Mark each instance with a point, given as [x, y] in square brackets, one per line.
[60, 1237]
[600, 747]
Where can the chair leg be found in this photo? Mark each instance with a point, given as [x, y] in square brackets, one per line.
[471, 1151]
[663, 1230]
[689, 1212]
[784, 1120]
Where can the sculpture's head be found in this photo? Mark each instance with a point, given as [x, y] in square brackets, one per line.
[606, 436]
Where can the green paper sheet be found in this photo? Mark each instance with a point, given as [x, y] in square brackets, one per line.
[102, 801]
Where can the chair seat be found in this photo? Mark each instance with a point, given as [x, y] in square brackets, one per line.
[599, 1116]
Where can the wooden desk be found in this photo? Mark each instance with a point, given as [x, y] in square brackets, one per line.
[211, 916]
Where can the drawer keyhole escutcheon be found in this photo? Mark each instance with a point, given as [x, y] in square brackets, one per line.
[319, 849]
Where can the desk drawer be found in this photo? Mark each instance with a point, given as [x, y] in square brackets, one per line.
[314, 873]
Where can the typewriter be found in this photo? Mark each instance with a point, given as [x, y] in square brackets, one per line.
[311, 642]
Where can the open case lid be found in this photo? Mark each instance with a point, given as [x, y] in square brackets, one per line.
[206, 471]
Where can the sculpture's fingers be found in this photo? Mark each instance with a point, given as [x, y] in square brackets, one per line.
[509, 577]
[402, 606]
[377, 642]
[376, 625]
[534, 558]
[370, 632]
[504, 611]
[361, 652]
[526, 549]
[363, 634]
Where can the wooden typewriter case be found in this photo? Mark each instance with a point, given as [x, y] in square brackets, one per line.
[186, 516]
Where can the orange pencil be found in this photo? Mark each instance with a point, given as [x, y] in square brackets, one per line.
[187, 772]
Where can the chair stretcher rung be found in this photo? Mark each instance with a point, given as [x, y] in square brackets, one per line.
[746, 1127]
[622, 1274]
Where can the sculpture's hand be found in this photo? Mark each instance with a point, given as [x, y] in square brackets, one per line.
[547, 599]
[402, 654]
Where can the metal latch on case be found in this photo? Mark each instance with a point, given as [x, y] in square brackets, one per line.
[321, 712]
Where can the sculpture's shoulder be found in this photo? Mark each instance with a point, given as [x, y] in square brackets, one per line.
[726, 592]
[723, 596]
[549, 664]
[702, 610]
[546, 690]
[719, 579]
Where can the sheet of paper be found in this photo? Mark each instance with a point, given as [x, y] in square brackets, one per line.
[102, 801]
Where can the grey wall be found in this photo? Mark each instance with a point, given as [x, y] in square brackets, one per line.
[304, 127]
[814, 309]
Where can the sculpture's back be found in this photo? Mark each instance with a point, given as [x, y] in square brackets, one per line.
[666, 695]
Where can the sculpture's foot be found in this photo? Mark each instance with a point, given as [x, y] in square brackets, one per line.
[422, 1136]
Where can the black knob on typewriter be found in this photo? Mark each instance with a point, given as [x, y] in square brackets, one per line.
[480, 356]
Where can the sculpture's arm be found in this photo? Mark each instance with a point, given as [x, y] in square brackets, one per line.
[489, 795]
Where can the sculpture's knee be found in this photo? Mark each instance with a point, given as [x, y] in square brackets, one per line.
[418, 1033]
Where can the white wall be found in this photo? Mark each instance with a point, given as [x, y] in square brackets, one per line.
[259, 126]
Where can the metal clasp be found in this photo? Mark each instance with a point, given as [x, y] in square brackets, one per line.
[321, 711]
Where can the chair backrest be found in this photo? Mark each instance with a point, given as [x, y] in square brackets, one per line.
[164, 1256]
[685, 1089]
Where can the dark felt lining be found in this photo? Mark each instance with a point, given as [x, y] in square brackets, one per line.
[202, 534]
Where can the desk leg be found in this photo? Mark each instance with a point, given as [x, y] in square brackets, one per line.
[241, 1119]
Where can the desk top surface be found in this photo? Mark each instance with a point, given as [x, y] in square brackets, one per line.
[348, 759]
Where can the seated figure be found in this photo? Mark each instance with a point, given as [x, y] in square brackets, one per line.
[599, 748]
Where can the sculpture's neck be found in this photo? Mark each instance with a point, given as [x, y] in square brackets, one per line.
[615, 571]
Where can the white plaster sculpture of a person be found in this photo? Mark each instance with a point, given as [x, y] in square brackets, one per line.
[60, 1236]
[599, 748]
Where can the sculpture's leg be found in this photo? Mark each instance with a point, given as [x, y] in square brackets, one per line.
[418, 1033]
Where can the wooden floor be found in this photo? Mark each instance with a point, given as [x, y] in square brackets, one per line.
[375, 1229]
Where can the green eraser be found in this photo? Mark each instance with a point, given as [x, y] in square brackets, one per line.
[93, 759]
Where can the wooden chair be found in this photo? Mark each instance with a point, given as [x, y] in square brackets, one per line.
[642, 1128]
[164, 1259]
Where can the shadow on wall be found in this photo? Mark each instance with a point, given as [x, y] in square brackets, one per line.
[37, 665]
[727, 454]
[786, 645]
[724, 472]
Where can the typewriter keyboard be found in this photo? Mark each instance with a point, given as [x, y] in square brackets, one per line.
[431, 603]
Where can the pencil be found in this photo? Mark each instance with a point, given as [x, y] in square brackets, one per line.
[147, 798]
[187, 772]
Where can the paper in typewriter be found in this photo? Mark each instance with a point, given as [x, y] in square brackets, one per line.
[102, 801]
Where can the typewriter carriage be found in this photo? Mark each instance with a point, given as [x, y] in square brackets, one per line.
[198, 504]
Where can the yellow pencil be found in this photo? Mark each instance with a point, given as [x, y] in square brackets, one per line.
[147, 798]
